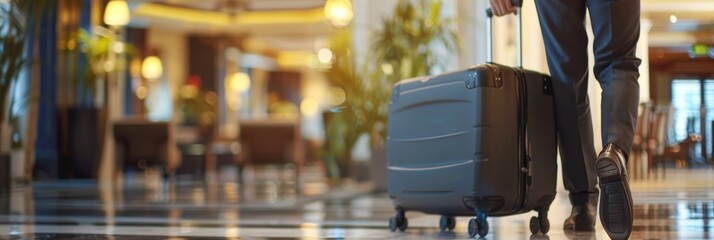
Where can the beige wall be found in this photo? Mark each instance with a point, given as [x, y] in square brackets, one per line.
[472, 28]
[643, 53]
[171, 47]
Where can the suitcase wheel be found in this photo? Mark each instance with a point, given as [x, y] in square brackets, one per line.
[540, 224]
[535, 225]
[447, 223]
[478, 226]
[544, 225]
[398, 222]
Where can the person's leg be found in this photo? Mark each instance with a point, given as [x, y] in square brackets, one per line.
[562, 24]
[616, 27]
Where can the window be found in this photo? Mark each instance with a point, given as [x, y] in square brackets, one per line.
[686, 100]
[708, 115]
[693, 102]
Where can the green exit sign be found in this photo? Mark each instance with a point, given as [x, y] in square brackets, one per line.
[701, 50]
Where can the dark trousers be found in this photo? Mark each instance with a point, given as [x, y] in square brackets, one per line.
[616, 29]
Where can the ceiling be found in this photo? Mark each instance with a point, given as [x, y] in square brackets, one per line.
[694, 22]
[296, 24]
[246, 5]
[283, 24]
[232, 16]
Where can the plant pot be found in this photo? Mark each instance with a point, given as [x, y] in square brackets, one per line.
[379, 169]
[337, 170]
[5, 137]
[83, 144]
[5, 133]
[332, 169]
[4, 176]
[345, 168]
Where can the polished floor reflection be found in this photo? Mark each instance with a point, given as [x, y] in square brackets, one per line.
[269, 205]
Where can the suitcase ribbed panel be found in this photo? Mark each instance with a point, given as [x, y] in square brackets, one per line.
[448, 141]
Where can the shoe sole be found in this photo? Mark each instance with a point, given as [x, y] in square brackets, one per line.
[615, 198]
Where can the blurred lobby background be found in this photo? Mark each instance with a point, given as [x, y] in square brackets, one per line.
[255, 119]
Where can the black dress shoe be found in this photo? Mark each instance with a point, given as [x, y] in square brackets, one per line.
[582, 217]
[616, 198]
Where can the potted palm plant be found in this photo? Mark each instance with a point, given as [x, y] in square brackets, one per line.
[401, 49]
[12, 61]
[18, 17]
[84, 140]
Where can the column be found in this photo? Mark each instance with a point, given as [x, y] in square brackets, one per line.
[367, 19]
[643, 53]
[472, 31]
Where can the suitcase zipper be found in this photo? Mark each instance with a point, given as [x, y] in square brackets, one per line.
[521, 122]
[522, 101]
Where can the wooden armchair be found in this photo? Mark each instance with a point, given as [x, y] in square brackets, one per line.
[271, 141]
[142, 143]
[679, 153]
[661, 151]
[640, 154]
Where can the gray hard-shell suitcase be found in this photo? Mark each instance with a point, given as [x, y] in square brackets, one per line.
[477, 142]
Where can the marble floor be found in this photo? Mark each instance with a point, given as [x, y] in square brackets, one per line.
[267, 206]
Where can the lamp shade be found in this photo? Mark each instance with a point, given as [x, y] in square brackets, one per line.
[116, 13]
[239, 82]
[152, 68]
[339, 12]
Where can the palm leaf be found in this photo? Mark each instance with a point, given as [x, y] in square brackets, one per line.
[404, 42]
[16, 19]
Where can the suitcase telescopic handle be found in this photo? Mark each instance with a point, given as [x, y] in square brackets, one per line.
[519, 36]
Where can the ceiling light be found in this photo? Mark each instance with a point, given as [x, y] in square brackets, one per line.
[324, 55]
[118, 47]
[339, 12]
[116, 13]
[239, 82]
[152, 68]
[672, 18]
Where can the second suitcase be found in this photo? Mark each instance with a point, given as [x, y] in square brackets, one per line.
[478, 142]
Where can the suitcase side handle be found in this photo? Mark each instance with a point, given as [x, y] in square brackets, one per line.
[519, 36]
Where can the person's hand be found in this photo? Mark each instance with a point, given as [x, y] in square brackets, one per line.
[502, 7]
